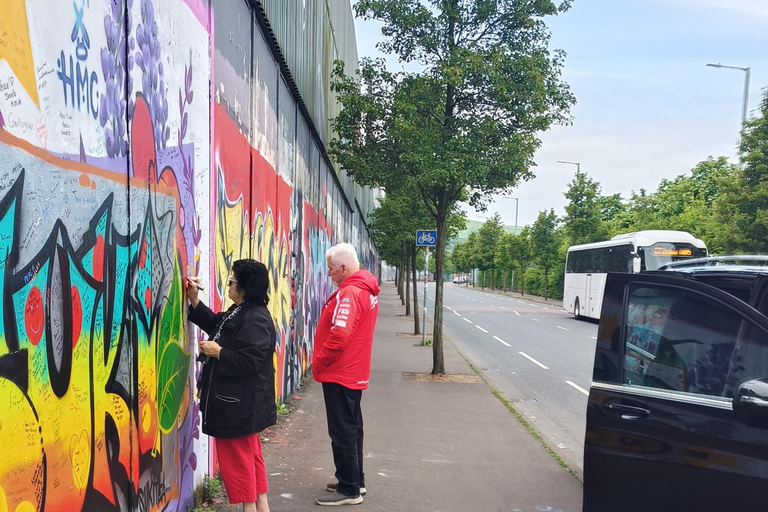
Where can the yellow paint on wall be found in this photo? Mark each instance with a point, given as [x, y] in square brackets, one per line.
[15, 45]
[26, 506]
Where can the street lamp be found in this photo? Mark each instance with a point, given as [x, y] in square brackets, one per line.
[747, 71]
[517, 204]
[577, 164]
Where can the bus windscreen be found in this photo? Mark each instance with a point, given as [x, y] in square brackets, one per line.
[662, 253]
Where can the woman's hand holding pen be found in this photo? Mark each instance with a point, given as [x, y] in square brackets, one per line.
[193, 290]
[210, 348]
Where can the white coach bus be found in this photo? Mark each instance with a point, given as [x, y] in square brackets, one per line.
[586, 265]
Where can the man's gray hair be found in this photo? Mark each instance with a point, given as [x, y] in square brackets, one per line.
[343, 254]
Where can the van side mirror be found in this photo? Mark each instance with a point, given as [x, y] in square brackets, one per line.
[636, 263]
[751, 399]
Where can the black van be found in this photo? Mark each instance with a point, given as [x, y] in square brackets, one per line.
[677, 418]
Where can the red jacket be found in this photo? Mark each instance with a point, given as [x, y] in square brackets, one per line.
[344, 335]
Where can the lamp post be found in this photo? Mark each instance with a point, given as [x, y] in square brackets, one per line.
[747, 72]
[577, 164]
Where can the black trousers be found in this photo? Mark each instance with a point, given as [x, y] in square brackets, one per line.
[345, 426]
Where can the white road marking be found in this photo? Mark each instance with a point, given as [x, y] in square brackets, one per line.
[449, 308]
[457, 314]
[576, 386]
[532, 360]
[518, 314]
[501, 341]
[468, 320]
[502, 307]
[486, 332]
[536, 320]
[563, 328]
[593, 337]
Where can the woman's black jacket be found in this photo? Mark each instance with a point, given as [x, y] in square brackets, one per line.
[237, 390]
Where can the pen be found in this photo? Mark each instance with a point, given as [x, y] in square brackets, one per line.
[196, 285]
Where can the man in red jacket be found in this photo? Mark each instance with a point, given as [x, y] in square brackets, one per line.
[342, 363]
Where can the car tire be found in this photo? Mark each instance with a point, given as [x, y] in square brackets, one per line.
[576, 309]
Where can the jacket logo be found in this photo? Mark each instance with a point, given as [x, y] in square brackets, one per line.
[343, 311]
[374, 301]
[341, 323]
[346, 300]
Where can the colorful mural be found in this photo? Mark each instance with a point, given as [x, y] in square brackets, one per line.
[141, 141]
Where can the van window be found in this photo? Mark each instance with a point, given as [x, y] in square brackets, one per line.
[678, 340]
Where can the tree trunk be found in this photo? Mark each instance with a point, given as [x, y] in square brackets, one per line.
[493, 279]
[545, 284]
[400, 283]
[416, 326]
[407, 279]
[438, 356]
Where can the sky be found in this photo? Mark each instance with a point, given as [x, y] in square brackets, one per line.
[647, 106]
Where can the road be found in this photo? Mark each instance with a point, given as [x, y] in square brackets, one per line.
[538, 356]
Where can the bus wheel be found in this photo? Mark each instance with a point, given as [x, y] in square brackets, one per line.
[576, 310]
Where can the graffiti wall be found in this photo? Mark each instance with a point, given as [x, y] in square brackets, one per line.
[142, 141]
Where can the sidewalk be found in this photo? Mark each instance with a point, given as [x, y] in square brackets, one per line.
[430, 445]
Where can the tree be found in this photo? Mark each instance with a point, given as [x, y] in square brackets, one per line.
[583, 222]
[489, 236]
[520, 252]
[393, 226]
[744, 205]
[546, 243]
[467, 125]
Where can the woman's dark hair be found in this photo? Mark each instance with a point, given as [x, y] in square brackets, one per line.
[253, 281]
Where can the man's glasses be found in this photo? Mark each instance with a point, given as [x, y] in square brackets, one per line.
[232, 281]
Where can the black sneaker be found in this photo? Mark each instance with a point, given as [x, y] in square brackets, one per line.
[334, 486]
[339, 499]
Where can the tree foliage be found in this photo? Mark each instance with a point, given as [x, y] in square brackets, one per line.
[467, 125]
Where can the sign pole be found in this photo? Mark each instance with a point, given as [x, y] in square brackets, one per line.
[425, 239]
[424, 316]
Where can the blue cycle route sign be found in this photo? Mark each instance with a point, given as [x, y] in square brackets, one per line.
[426, 238]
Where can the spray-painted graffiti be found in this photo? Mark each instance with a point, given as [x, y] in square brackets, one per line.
[110, 195]
[79, 86]
[93, 351]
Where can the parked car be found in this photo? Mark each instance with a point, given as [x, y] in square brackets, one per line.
[677, 418]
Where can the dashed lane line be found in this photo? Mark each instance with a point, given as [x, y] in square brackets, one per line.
[467, 320]
[501, 341]
[532, 360]
[518, 314]
[457, 314]
[486, 332]
[576, 386]
[563, 328]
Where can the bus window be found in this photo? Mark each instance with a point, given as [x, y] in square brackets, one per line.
[662, 253]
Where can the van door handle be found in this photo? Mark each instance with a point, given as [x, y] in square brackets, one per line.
[627, 412]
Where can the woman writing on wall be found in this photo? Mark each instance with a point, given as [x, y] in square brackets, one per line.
[237, 382]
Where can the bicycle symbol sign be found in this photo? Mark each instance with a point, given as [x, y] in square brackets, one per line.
[426, 238]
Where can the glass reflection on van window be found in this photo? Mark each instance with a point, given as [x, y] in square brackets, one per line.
[678, 340]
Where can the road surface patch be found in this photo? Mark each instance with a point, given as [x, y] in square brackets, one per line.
[533, 360]
[576, 386]
[501, 341]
